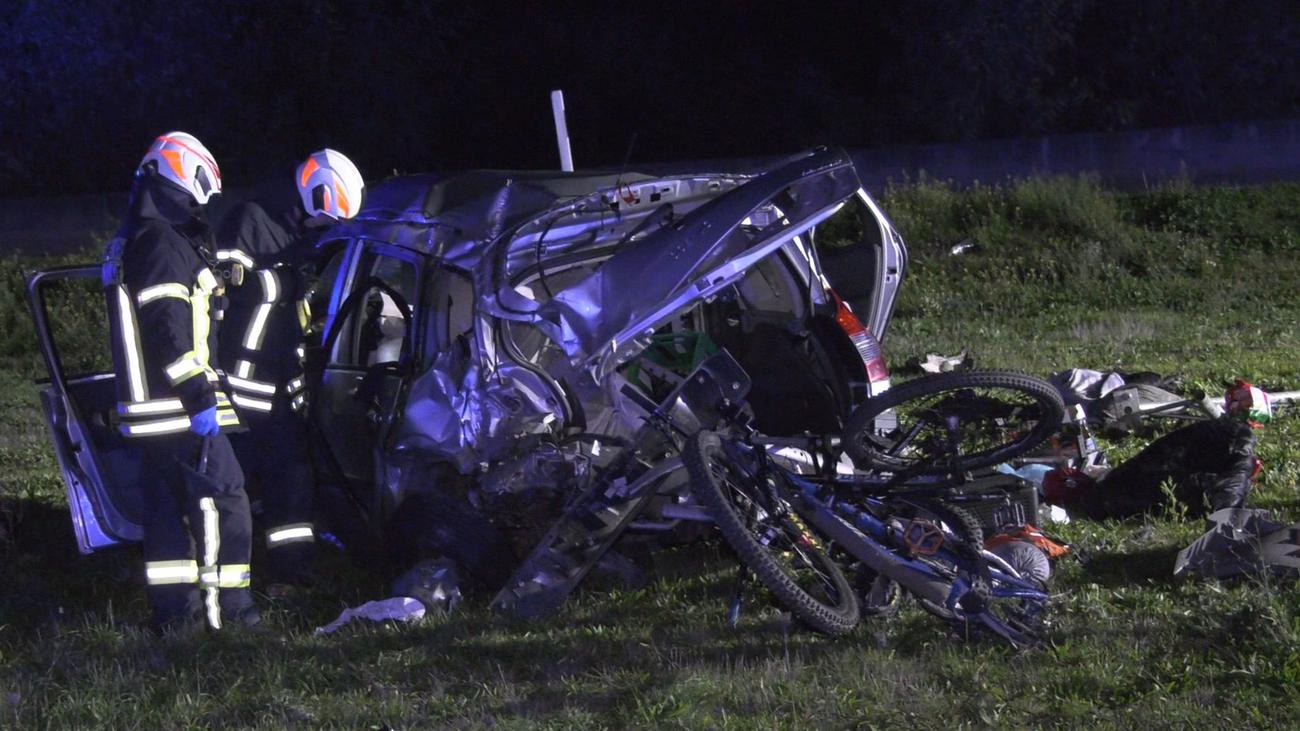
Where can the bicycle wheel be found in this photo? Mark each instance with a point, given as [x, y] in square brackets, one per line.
[963, 539]
[770, 538]
[1000, 604]
[952, 422]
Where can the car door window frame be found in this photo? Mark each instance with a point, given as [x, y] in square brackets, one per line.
[366, 252]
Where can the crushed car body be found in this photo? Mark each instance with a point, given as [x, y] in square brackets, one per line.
[505, 333]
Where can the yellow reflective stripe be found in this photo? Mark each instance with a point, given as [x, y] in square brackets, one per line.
[293, 533]
[202, 320]
[161, 573]
[156, 427]
[235, 576]
[250, 385]
[227, 417]
[248, 402]
[236, 255]
[208, 576]
[185, 367]
[158, 291]
[304, 314]
[211, 546]
[130, 345]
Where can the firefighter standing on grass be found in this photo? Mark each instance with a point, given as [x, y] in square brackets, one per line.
[261, 349]
[163, 290]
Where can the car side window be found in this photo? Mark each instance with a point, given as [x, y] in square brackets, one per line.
[375, 329]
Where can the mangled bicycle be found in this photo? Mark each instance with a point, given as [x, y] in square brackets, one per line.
[890, 499]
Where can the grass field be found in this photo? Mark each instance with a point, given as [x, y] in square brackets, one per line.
[1199, 282]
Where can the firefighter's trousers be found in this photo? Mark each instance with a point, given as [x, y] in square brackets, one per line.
[273, 453]
[197, 532]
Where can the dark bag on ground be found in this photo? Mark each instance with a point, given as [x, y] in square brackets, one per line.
[1210, 464]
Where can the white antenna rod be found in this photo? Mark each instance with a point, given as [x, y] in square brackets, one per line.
[561, 131]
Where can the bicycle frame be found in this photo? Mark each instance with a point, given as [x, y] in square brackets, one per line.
[878, 545]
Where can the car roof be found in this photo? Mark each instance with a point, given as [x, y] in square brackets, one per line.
[454, 216]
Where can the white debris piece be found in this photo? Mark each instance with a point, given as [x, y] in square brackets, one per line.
[398, 608]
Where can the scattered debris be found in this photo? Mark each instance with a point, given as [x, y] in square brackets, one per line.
[1205, 466]
[1241, 541]
[1028, 560]
[1048, 513]
[937, 363]
[398, 608]
[435, 583]
[1028, 550]
[1081, 385]
[966, 246]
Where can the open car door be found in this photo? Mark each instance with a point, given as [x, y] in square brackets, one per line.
[100, 467]
[367, 348]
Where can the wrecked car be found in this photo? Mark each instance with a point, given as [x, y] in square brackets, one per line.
[495, 346]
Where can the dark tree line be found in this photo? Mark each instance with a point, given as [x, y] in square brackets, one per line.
[426, 85]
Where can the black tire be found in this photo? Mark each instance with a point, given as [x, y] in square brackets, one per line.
[879, 597]
[982, 614]
[936, 414]
[728, 489]
[963, 525]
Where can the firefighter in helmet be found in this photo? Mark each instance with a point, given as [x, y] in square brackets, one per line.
[164, 292]
[262, 349]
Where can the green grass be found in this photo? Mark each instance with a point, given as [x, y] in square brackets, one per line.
[1194, 281]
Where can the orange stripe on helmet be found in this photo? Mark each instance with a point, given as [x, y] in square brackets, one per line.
[308, 168]
[344, 206]
[211, 163]
[173, 158]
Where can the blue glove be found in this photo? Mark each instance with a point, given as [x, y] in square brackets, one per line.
[204, 423]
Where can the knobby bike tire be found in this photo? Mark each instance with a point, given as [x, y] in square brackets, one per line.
[705, 449]
[966, 527]
[865, 452]
[1002, 613]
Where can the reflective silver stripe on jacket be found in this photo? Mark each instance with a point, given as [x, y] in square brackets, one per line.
[235, 255]
[250, 402]
[270, 293]
[158, 291]
[131, 345]
[166, 416]
[291, 533]
[143, 416]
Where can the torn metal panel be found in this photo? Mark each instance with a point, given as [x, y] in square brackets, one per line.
[705, 251]
[453, 412]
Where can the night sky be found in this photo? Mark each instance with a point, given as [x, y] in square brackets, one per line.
[413, 87]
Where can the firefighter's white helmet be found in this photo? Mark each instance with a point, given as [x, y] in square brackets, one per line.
[183, 160]
[330, 185]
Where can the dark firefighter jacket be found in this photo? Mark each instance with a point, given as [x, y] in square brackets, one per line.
[262, 334]
[161, 289]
